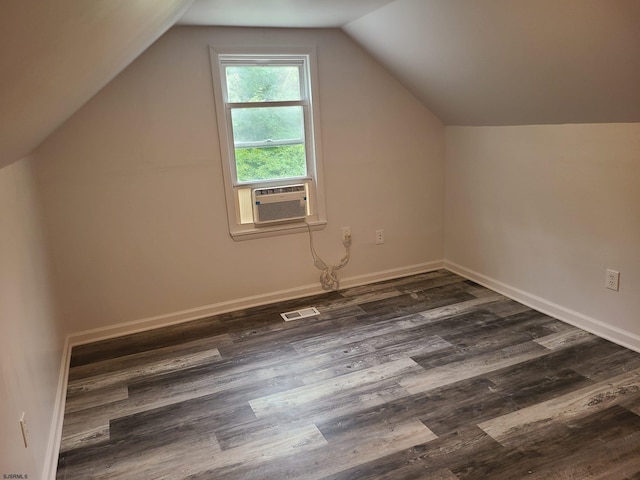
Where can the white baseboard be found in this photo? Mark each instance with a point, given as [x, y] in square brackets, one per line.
[150, 323]
[55, 432]
[577, 319]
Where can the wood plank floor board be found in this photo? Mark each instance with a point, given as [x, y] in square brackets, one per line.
[423, 377]
[345, 452]
[482, 364]
[427, 460]
[415, 302]
[480, 328]
[511, 428]
[362, 355]
[568, 337]
[95, 419]
[147, 340]
[579, 450]
[218, 410]
[205, 413]
[337, 307]
[606, 360]
[481, 333]
[233, 388]
[92, 397]
[475, 399]
[433, 278]
[613, 451]
[507, 307]
[531, 382]
[90, 434]
[116, 364]
[125, 374]
[352, 331]
[451, 311]
[321, 391]
[225, 376]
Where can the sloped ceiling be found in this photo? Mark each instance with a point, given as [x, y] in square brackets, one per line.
[472, 62]
[56, 54]
[512, 62]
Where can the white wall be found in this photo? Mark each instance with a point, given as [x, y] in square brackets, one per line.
[133, 189]
[30, 339]
[545, 210]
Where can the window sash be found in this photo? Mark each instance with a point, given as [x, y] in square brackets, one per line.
[256, 61]
[270, 143]
[290, 103]
[307, 141]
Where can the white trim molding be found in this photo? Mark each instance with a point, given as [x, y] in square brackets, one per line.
[577, 319]
[55, 431]
[150, 323]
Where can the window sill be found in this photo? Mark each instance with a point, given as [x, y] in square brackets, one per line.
[250, 232]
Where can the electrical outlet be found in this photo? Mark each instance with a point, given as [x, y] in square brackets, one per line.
[379, 237]
[24, 429]
[346, 235]
[612, 280]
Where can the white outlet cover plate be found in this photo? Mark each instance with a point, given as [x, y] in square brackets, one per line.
[612, 281]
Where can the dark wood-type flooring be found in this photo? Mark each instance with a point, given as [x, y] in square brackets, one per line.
[424, 377]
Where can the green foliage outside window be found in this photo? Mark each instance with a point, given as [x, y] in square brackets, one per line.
[272, 162]
[255, 127]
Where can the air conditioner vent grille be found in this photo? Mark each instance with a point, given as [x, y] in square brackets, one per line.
[279, 204]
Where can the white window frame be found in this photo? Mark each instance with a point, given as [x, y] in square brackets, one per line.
[306, 57]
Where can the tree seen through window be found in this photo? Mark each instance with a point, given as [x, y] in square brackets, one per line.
[268, 135]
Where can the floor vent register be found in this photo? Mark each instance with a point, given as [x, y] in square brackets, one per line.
[298, 314]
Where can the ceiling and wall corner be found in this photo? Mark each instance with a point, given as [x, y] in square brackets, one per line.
[486, 62]
[278, 13]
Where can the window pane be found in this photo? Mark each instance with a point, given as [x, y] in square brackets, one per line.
[263, 83]
[268, 124]
[269, 143]
[270, 163]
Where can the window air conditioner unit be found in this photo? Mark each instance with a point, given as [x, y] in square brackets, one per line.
[279, 204]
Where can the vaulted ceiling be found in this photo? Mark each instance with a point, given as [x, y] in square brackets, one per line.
[512, 62]
[472, 62]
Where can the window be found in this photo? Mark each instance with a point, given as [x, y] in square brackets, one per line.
[269, 138]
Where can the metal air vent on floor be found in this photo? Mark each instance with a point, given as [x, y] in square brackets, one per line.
[298, 314]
